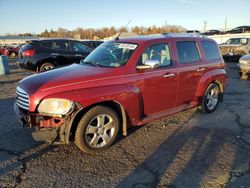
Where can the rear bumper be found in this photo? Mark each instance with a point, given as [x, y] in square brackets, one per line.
[26, 65]
[231, 56]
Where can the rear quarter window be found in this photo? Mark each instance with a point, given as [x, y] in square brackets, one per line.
[187, 52]
[26, 46]
[211, 50]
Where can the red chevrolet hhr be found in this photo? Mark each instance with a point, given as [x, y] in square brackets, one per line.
[124, 82]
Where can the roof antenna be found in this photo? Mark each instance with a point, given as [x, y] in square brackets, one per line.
[117, 38]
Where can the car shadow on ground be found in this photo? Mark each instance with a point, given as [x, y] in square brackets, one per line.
[197, 156]
[190, 157]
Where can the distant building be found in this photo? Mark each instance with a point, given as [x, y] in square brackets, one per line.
[223, 38]
[11, 40]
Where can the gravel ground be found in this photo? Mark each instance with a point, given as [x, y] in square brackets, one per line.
[188, 149]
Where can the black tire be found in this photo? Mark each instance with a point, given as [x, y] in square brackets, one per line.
[46, 66]
[93, 141]
[210, 99]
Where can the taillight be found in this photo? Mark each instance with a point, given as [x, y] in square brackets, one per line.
[29, 53]
[223, 65]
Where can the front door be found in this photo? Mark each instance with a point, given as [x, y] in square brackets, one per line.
[158, 86]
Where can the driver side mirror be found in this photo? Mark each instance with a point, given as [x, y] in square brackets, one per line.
[149, 64]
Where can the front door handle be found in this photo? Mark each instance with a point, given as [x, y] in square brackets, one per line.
[200, 69]
[168, 75]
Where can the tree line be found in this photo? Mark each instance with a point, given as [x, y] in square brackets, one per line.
[105, 32]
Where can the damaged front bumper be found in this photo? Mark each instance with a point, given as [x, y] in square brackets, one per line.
[46, 128]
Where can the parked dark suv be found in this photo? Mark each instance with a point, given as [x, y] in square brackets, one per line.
[42, 55]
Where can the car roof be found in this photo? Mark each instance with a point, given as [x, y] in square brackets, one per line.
[52, 39]
[240, 38]
[86, 40]
[146, 38]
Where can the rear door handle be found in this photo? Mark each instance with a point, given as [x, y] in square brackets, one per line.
[78, 55]
[168, 75]
[200, 69]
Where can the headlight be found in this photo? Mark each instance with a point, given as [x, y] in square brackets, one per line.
[55, 107]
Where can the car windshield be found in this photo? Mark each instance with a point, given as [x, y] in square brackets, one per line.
[111, 54]
[237, 41]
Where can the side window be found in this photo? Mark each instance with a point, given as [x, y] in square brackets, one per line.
[46, 44]
[78, 47]
[211, 50]
[187, 52]
[158, 52]
[59, 45]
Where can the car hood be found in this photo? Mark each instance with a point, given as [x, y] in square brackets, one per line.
[246, 58]
[65, 77]
[230, 45]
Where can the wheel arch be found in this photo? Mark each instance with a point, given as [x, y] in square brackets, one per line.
[116, 106]
[218, 77]
[46, 60]
[217, 82]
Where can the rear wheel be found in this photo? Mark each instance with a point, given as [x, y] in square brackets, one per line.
[46, 66]
[97, 129]
[210, 99]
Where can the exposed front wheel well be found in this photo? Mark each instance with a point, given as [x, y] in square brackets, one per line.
[111, 104]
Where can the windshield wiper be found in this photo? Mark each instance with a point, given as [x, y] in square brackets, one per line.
[90, 63]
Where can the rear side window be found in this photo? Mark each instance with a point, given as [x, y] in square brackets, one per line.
[187, 52]
[78, 47]
[59, 45]
[55, 45]
[211, 50]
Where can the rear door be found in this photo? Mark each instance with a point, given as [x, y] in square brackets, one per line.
[190, 69]
[58, 49]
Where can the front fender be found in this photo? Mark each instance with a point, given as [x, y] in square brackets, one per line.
[126, 95]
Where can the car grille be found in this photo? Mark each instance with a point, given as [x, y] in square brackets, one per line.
[22, 98]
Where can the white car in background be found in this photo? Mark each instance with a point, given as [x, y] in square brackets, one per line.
[244, 64]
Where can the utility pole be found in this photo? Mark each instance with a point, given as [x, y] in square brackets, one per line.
[205, 25]
[226, 24]
[165, 24]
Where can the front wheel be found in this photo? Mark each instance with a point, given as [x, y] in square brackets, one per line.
[97, 129]
[210, 99]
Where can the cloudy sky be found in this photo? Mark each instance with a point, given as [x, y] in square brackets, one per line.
[34, 16]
